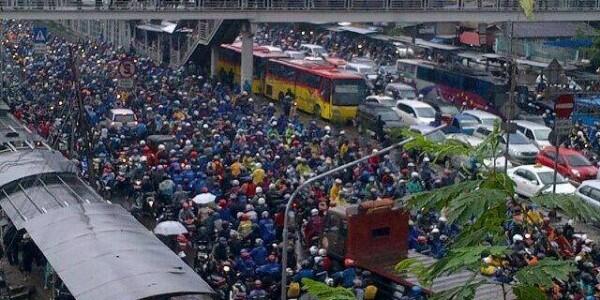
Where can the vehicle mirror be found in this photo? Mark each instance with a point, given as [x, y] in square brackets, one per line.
[535, 182]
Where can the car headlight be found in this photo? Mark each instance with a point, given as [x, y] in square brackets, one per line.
[575, 172]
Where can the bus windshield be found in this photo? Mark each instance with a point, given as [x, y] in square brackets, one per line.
[349, 92]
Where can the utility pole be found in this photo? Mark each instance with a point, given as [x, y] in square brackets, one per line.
[80, 123]
[511, 93]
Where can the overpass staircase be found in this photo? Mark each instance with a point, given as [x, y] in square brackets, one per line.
[205, 34]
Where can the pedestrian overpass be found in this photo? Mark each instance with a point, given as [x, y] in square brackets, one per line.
[317, 11]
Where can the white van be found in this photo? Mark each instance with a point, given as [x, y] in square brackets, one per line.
[483, 117]
[536, 133]
[313, 50]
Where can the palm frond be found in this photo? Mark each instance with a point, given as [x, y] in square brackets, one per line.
[322, 291]
[542, 274]
[569, 205]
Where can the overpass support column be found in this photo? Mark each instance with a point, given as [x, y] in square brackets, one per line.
[247, 65]
[214, 57]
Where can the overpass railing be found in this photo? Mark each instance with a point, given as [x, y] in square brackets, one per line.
[297, 5]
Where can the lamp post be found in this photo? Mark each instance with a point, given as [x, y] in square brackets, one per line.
[319, 177]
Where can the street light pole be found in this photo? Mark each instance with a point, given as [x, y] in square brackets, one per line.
[511, 93]
[319, 177]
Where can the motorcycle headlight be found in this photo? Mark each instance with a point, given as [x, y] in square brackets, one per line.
[226, 268]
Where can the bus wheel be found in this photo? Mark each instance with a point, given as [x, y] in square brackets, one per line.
[317, 111]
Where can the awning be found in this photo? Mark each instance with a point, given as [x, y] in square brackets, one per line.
[164, 26]
[470, 38]
[102, 253]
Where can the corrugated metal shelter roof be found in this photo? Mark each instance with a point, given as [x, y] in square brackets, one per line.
[551, 29]
[98, 249]
[102, 253]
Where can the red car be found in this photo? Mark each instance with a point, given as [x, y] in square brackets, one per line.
[571, 163]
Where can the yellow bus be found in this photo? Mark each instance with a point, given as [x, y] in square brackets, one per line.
[319, 87]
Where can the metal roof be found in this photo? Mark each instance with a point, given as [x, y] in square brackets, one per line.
[102, 253]
[97, 248]
[20, 164]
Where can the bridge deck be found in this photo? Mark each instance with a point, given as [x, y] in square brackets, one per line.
[302, 10]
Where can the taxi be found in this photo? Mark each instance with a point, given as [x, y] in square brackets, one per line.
[533, 180]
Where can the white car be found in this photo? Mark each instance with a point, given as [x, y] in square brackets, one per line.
[520, 151]
[483, 117]
[536, 133]
[381, 100]
[532, 180]
[413, 112]
[315, 51]
[589, 191]
[119, 117]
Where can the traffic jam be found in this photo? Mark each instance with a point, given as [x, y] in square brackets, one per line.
[234, 177]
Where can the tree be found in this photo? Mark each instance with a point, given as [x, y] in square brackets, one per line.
[322, 291]
[479, 208]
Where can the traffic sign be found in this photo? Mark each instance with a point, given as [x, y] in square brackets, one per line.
[127, 68]
[564, 106]
[40, 35]
[125, 83]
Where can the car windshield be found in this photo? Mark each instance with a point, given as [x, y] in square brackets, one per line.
[548, 177]
[468, 122]
[124, 118]
[425, 112]
[450, 110]
[388, 102]
[576, 160]
[488, 121]
[407, 94]
[517, 139]
[389, 116]
[541, 134]
[349, 92]
[320, 50]
[437, 136]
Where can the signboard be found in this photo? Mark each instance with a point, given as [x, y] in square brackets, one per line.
[125, 83]
[564, 106]
[40, 37]
[126, 72]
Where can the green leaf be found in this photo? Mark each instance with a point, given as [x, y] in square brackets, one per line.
[570, 205]
[321, 291]
[459, 259]
[500, 181]
[472, 205]
[417, 268]
[542, 274]
[523, 292]
[440, 198]
[462, 292]
[489, 226]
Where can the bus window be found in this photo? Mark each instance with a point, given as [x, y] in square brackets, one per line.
[349, 92]
[310, 80]
[407, 69]
[426, 74]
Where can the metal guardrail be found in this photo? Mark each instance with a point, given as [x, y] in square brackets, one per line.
[295, 5]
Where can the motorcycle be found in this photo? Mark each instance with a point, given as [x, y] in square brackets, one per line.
[202, 258]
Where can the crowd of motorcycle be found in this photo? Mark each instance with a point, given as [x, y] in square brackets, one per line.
[207, 155]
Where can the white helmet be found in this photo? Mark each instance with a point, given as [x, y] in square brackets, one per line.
[517, 237]
[314, 212]
[313, 250]
[322, 252]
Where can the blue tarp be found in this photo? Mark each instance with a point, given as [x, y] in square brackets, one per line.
[572, 43]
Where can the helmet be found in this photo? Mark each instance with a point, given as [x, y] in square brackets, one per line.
[322, 252]
[314, 212]
[348, 262]
[414, 174]
[517, 237]
[313, 250]
[259, 189]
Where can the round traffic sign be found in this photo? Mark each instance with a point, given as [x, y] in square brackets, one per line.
[564, 106]
[126, 68]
